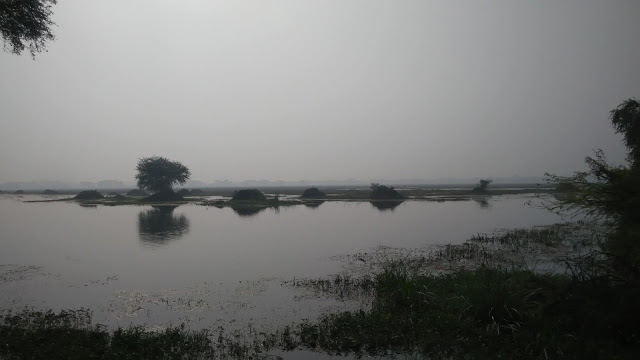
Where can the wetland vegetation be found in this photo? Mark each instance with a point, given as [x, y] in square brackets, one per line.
[565, 291]
[479, 299]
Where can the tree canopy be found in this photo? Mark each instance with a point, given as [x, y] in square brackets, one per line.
[482, 186]
[26, 24]
[626, 120]
[158, 174]
[611, 193]
[383, 192]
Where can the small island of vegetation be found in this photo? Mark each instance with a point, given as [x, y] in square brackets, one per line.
[313, 193]
[89, 195]
[248, 195]
[381, 192]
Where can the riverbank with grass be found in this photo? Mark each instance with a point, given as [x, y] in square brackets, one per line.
[489, 297]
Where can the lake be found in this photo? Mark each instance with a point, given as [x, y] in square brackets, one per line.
[206, 266]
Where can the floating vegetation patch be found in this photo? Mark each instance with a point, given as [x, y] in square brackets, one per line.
[342, 287]
[539, 249]
[481, 299]
[9, 272]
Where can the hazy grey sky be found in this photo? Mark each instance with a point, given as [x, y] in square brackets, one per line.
[320, 89]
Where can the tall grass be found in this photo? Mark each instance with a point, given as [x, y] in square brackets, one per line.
[482, 312]
[489, 310]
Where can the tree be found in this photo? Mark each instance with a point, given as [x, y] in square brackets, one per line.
[383, 192]
[611, 193]
[626, 120]
[159, 174]
[482, 186]
[26, 24]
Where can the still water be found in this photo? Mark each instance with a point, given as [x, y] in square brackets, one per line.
[207, 266]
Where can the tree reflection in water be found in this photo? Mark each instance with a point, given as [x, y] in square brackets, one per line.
[313, 203]
[384, 205]
[160, 225]
[247, 211]
[483, 202]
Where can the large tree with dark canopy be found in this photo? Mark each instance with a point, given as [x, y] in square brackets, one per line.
[26, 24]
[612, 193]
[159, 174]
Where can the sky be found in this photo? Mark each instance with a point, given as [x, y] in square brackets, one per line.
[320, 90]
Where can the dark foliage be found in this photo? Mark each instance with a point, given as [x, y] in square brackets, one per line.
[70, 335]
[482, 186]
[88, 195]
[26, 24]
[159, 174]
[313, 193]
[184, 192]
[248, 194]
[482, 314]
[137, 192]
[612, 193]
[383, 192]
[19, 192]
[163, 196]
[566, 187]
[50, 192]
[626, 120]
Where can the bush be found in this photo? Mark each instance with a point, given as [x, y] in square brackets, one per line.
[248, 194]
[383, 192]
[313, 193]
[482, 186]
[137, 192]
[164, 196]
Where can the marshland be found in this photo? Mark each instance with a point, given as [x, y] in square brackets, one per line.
[291, 179]
[283, 276]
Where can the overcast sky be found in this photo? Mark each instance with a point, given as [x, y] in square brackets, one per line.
[316, 90]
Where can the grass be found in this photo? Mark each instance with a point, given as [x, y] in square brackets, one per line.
[494, 309]
[70, 335]
[483, 313]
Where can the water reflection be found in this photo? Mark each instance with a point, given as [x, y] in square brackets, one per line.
[247, 211]
[160, 225]
[88, 206]
[313, 204]
[483, 202]
[385, 205]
